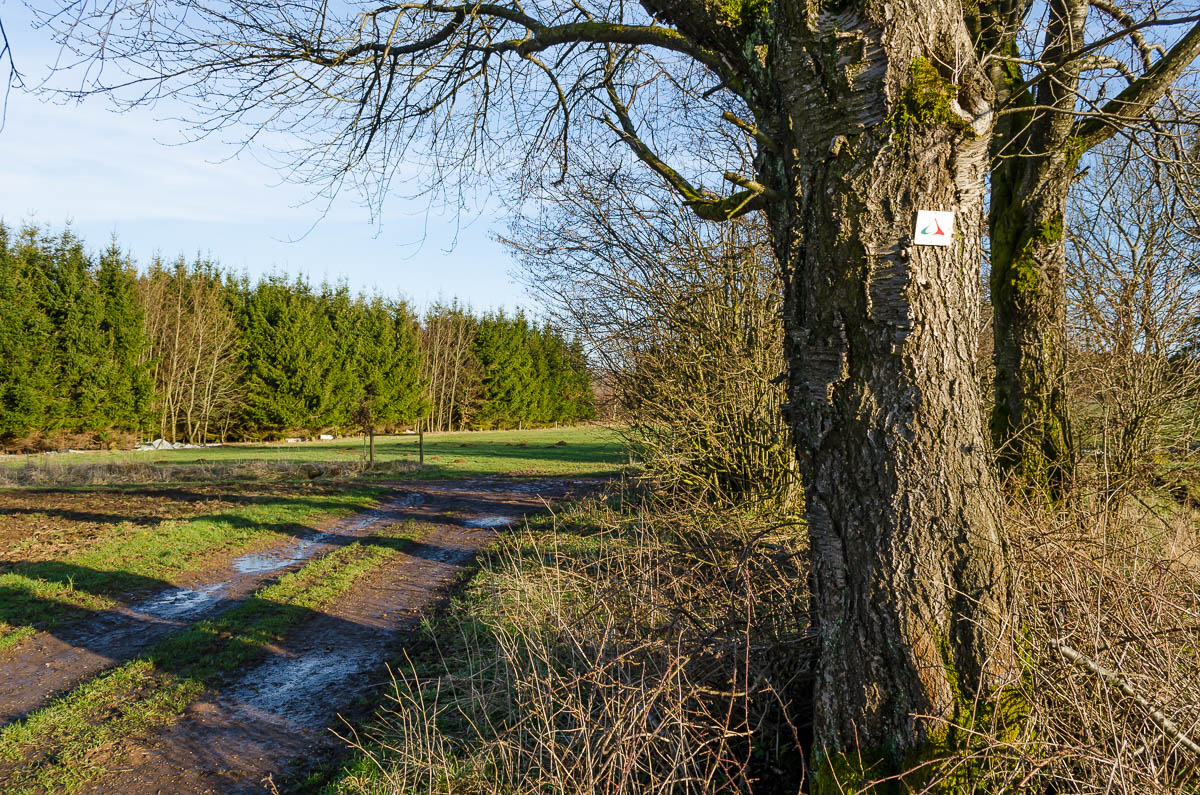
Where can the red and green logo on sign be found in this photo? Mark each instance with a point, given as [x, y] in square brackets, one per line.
[934, 228]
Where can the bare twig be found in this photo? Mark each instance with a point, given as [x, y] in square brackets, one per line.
[1119, 682]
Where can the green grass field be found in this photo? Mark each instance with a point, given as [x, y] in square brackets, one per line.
[560, 452]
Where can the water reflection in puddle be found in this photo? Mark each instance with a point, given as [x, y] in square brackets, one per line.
[258, 562]
[490, 521]
[302, 549]
[297, 687]
[181, 602]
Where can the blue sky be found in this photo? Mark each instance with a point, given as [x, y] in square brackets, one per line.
[127, 173]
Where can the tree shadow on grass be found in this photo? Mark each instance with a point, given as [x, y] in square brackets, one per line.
[278, 501]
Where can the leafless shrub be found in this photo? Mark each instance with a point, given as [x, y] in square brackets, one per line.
[628, 660]
[1134, 287]
[36, 441]
[684, 321]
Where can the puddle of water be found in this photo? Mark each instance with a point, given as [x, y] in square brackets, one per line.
[299, 687]
[180, 602]
[301, 549]
[535, 488]
[490, 521]
[258, 562]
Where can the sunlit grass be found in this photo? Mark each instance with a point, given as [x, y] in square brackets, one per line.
[547, 451]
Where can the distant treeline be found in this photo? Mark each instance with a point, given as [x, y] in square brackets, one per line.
[94, 350]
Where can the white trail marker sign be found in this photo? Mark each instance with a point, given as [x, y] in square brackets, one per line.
[934, 228]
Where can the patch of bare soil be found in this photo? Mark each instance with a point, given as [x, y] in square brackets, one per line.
[48, 524]
[275, 718]
[56, 660]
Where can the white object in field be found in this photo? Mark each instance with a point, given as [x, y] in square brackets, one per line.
[325, 437]
[294, 440]
[934, 228]
[163, 444]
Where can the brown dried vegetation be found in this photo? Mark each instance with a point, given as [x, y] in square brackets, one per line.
[618, 648]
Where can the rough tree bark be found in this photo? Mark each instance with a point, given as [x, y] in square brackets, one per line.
[909, 588]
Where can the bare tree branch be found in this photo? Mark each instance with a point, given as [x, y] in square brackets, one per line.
[1116, 680]
[14, 78]
[1144, 93]
[704, 203]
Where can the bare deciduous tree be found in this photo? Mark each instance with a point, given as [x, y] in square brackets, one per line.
[8, 67]
[1134, 288]
[450, 368]
[193, 348]
[1068, 75]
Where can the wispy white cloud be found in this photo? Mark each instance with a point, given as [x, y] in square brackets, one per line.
[130, 173]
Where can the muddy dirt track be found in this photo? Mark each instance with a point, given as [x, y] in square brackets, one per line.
[261, 721]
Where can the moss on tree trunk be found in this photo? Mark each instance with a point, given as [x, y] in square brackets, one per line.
[1034, 155]
[1030, 423]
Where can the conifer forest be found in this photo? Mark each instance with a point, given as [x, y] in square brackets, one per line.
[98, 352]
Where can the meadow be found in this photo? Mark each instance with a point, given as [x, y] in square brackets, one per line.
[124, 605]
[559, 452]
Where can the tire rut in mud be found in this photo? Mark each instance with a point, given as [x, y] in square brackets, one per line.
[281, 710]
[260, 722]
[53, 661]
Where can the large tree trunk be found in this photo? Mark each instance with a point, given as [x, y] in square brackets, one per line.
[908, 579]
[1031, 427]
[1034, 159]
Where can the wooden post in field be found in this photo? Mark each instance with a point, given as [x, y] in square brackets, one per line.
[421, 443]
[372, 432]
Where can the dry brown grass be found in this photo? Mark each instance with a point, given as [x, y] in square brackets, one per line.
[1118, 584]
[636, 649]
[613, 651]
[36, 441]
[1108, 631]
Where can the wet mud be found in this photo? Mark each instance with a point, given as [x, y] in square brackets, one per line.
[56, 660]
[271, 721]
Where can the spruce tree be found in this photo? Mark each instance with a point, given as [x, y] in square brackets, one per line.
[26, 379]
[507, 372]
[69, 298]
[389, 366]
[344, 391]
[579, 380]
[288, 352]
[128, 386]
